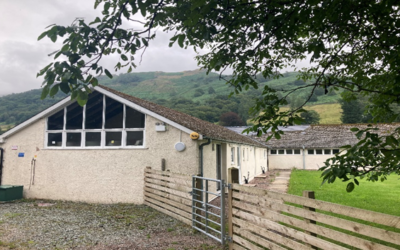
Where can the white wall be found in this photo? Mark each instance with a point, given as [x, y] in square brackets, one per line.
[289, 161]
[93, 175]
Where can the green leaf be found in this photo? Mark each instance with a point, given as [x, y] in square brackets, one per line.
[54, 90]
[350, 187]
[124, 57]
[42, 35]
[181, 38]
[354, 129]
[64, 87]
[356, 182]
[144, 41]
[45, 92]
[108, 73]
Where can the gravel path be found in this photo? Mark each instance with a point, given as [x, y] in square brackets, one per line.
[34, 224]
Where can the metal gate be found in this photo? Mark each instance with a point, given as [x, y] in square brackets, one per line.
[208, 207]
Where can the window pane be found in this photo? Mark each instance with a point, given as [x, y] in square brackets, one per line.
[318, 151]
[74, 139]
[114, 113]
[113, 138]
[54, 139]
[297, 151]
[134, 138]
[94, 111]
[281, 151]
[335, 151]
[327, 151]
[74, 116]
[310, 151]
[273, 151]
[134, 119]
[56, 121]
[93, 139]
[289, 151]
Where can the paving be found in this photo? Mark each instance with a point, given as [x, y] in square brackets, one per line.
[281, 182]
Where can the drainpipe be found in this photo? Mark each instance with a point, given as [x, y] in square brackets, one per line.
[1, 163]
[201, 155]
[304, 157]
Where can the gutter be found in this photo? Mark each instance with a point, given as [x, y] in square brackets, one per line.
[1, 163]
[201, 155]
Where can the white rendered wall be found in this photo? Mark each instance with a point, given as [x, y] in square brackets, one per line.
[93, 175]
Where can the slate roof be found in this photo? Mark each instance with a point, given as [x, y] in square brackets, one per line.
[205, 128]
[320, 136]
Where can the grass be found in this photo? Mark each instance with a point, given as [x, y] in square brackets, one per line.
[329, 113]
[380, 197]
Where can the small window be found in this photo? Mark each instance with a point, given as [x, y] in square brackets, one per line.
[74, 139]
[93, 139]
[273, 151]
[74, 116]
[233, 155]
[56, 121]
[113, 139]
[114, 113]
[243, 156]
[335, 151]
[318, 151]
[327, 151]
[134, 119]
[297, 151]
[134, 138]
[289, 151]
[281, 151]
[54, 139]
[94, 111]
[310, 151]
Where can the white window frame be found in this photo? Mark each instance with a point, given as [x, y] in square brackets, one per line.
[233, 155]
[102, 131]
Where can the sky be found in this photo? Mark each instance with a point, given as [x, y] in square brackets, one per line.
[22, 56]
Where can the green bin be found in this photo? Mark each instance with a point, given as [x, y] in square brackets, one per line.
[9, 192]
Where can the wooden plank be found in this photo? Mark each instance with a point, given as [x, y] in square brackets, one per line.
[320, 230]
[286, 241]
[257, 239]
[187, 202]
[173, 215]
[168, 190]
[182, 182]
[262, 222]
[170, 185]
[169, 202]
[170, 208]
[170, 174]
[355, 227]
[245, 243]
[310, 195]
[238, 247]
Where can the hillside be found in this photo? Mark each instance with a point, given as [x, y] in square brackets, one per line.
[193, 92]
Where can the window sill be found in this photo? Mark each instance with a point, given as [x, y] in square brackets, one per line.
[96, 148]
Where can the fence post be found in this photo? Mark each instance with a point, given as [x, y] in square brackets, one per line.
[198, 196]
[310, 195]
[230, 199]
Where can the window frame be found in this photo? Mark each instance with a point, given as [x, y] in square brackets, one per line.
[101, 130]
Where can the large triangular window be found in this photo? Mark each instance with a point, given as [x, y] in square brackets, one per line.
[102, 123]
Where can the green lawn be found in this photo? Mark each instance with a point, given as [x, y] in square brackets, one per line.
[383, 197]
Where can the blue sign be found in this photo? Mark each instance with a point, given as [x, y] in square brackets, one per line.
[21, 154]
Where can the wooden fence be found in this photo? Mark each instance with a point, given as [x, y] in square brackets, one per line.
[261, 219]
[169, 193]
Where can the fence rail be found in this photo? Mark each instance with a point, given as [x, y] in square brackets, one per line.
[274, 220]
[169, 193]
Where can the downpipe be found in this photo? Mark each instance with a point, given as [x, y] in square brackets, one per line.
[1, 163]
[201, 155]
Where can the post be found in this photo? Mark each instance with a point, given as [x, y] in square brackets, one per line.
[230, 199]
[144, 183]
[198, 196]
[310, 195]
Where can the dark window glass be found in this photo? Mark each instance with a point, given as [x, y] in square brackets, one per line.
[114, 113]
[74, 116]
[327, 151]
[74, 139]
[93, 139]
[297, 151]
[318, 151]
[54, 139]
[281, 151]
[56, 121]
[113, 138]
[94, 111]
[289, 151]
[273, 151]
[134, 138]
[335, 151]
[134, 119]
[310, 151]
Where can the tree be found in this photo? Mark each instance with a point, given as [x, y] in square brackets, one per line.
[352, 45]
[310, 117]
[211, 90]
[230, 119]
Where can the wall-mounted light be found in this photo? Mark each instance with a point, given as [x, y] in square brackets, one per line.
[160, 127]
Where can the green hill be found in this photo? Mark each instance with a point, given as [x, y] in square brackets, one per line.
[193, 92]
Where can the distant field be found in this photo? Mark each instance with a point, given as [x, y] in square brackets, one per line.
[329, 113]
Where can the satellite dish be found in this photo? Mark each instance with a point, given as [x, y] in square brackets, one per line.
[180, 146]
